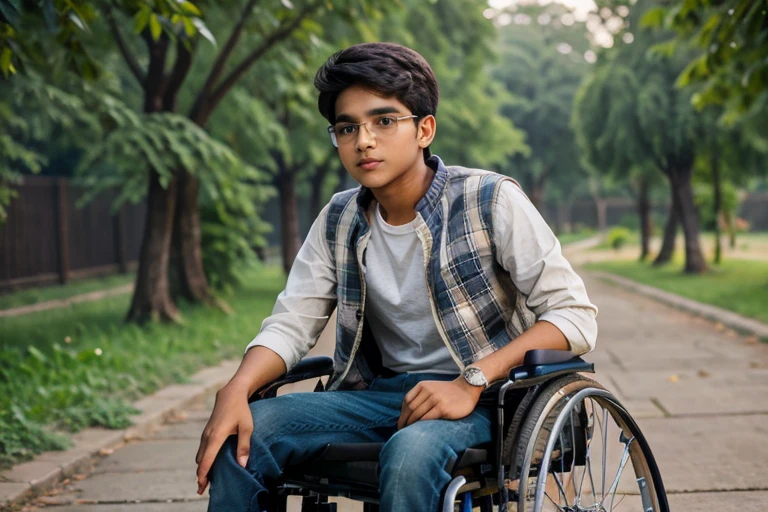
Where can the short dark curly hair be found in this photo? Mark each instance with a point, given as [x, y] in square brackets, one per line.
[387, 69]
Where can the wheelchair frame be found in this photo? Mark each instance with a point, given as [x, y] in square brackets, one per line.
[541, 368]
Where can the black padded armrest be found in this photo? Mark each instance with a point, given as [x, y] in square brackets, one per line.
[541, 356]
[307, 368]
[541, 365]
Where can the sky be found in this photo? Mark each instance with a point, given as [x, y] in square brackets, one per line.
[581, 7]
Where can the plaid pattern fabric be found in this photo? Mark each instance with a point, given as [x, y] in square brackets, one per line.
[478, 307]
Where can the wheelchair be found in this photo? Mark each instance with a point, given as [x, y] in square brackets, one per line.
[562, 442]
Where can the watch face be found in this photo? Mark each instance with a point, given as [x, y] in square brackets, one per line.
[475, 376]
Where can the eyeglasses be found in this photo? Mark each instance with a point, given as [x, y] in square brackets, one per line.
[382, 126]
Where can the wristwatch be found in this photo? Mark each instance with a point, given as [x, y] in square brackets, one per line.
[475, 376]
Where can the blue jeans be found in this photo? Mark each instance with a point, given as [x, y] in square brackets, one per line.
[293, 428]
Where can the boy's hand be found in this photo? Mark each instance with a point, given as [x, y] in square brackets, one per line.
[432, 400]
[231, 415]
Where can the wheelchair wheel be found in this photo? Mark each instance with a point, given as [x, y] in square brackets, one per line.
[576, 445]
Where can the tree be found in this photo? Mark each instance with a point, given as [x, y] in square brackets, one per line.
[541, 65]
[731, 42]
[296, 147]
[170, 31]
[630, 114]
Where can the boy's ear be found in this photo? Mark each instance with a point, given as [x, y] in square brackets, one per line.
[427, 129]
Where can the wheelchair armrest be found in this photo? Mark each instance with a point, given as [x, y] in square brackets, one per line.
[307, 368]
[541, 365]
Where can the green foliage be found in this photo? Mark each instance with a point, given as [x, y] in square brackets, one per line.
[618, 237]
[541, 65]
[82, 366]
[731, 39]
[31, 111]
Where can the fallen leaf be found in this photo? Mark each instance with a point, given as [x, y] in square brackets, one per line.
[674, 378]
[719, 326]
[106, 451]
[703, 373]
[752, 340]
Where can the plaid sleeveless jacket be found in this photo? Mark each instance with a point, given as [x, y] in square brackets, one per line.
[474, 303]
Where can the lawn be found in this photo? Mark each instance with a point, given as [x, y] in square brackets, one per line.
[79, 366]
[737, 285]
[46, 293]
[568, 238]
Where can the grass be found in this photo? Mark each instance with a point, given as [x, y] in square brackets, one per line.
[80, 366]
[736, 285]
[36, 295]
[568, 238]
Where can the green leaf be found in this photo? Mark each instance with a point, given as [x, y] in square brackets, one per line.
[190, 8]
[203, 29]
[653, 18]
[155, 27]
[5, 61]
[77, 21]
[141, 19]
[189, 27]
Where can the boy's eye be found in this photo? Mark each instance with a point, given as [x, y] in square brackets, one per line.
[347, 129]
[385, 121]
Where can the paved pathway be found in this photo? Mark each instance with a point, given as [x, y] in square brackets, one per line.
[699, 393]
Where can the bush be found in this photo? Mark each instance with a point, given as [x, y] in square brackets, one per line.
[618, 237]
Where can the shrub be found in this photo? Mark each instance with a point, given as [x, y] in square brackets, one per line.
[618, 237]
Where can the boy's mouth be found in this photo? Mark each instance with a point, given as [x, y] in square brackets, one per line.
[368, 164]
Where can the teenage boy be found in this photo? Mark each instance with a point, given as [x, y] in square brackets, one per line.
[442, 278]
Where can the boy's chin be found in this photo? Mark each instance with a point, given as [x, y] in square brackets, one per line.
[373, 180]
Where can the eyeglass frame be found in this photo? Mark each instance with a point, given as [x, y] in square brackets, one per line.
[332, 129]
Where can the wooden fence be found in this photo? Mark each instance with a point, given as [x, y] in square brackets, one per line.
[47, 239]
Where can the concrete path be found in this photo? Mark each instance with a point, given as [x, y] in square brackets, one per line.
[699, 392]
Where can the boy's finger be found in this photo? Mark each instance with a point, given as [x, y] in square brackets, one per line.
[201, 485]
[418, 413]
[201, 449]
[211, 450]
[243, 446]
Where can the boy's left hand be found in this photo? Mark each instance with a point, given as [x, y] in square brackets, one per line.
[433, 399]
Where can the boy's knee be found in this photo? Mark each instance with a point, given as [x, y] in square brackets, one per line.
[412, 453]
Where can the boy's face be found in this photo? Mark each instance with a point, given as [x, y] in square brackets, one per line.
[393, 153]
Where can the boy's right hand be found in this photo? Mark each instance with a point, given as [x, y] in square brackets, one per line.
[231, 415]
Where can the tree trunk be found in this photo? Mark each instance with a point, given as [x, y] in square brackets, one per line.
[689, 218]
[192, 282]
[644, 211]
[731, 226]
[151, 297]
[341, 172]
[718, 203]
[289, 216]
[670, 231]
[601, 207]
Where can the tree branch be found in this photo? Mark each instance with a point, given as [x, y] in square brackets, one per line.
[179, 72]
[278, 35]
[130, 59]
[225, 53]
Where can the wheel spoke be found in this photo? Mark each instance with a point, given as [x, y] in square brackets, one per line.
[588, 455]
[604, 429]
[559, 508]
[560, 488]
[573, 459]
[624, 459]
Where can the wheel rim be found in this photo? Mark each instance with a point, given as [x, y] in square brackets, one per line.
[594, 460]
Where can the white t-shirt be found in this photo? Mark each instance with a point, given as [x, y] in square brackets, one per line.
[397, 301]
